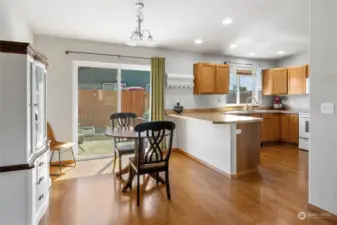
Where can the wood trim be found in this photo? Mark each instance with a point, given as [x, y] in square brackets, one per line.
[27, 166]
[203, 163]
[65, 162]
[244, 72]
[315, 209]
[22, 48]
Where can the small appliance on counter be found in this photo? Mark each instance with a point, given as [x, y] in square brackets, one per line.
[178, 108]
[277, 102]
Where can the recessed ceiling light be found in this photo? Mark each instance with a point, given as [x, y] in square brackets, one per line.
[233, 46]
[198, 41]
[281, 52]
[131, 43]
[251, 53]
[227, 21]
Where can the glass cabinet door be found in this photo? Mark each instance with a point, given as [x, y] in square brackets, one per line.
[39, 116]
[29, 109]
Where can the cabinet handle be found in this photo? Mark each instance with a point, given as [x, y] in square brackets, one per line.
[41, 197]
[41, 164]
[40, 180]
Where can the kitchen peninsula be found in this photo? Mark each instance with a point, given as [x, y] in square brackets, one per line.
[229, 144]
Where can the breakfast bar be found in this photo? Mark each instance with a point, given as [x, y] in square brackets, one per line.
[229, 144]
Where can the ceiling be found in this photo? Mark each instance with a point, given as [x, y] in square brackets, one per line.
[264, 27]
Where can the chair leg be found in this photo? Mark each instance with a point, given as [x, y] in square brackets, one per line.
[157, 178]
[120, 165]
[167, 184]
[115, 160]
[138, 176]
[60, 165]
[51, 157]
[72, 152]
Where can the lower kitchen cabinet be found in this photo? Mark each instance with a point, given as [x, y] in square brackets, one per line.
[279, 127]
[270, 128]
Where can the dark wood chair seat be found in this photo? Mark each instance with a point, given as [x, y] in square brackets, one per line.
[145, 168]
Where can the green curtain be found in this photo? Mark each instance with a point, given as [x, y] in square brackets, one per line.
[157, 88]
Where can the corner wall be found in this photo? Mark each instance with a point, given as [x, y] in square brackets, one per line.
[323, 128]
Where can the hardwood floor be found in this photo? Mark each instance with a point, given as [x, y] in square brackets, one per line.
[200, 196]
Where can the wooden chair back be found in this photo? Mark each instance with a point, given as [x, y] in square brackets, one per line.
[50, 134]
[155, 136]
[123, 120]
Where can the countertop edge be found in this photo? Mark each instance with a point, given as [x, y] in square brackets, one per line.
[251, 120]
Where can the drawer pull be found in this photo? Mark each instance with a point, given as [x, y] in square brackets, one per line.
[41, 197]
[41, 164]
[40, 180]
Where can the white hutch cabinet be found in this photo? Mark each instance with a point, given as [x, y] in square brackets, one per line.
[24, 148]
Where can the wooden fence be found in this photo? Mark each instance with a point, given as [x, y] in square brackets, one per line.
[95, 106]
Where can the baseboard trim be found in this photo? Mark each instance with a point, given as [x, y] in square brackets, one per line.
[203, 163]
[331, 218]
[63, 163]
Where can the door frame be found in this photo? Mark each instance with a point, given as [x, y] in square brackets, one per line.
[75, 66]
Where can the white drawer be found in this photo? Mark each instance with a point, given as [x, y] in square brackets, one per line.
[303, 144]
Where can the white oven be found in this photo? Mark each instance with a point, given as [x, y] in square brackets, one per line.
[304, 131]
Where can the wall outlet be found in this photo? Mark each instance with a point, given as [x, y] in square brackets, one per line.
[327, 108]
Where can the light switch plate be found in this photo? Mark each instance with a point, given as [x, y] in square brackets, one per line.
[327, 108]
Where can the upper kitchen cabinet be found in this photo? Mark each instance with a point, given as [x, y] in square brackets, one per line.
[222, 79]
[280, 81]
[266, 82]
[211, 78]
[297, 80]
[274, 81]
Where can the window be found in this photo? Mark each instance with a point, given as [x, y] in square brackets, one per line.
[241, 87]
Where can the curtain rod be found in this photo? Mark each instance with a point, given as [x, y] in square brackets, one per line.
[103, 54]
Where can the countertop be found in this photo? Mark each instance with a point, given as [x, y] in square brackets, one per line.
[216, 117]
[263, 111]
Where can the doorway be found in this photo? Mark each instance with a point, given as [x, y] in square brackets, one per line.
[103, 89]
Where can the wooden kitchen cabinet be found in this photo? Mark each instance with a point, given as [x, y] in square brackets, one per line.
[294, 127]
[285, 127]
[279, 81]
[222, 79]
[211, 78]
[204, 78]
[266, 82]
[270, 128]
[289, 128]
[297, 80]
[274, 81]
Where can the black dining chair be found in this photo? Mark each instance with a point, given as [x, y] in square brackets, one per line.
[122, 146]
[153, 160]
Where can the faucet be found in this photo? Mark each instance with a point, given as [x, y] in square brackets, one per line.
[246, 106]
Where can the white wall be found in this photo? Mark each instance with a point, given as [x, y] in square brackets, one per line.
[13, 27]
[60, 87]
[297, 102]
[323, 132]
[299, 59]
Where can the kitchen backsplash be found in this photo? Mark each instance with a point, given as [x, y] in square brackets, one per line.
[296, 102]
[191, 101]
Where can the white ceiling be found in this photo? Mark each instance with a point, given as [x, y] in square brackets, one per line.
[260, 26]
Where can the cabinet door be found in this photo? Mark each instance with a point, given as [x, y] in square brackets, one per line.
[271, 127]
[204, 75]
[222, 79]
[285, 127]
[266, 82]
[294, 128]
[297, 80]
[280, 81]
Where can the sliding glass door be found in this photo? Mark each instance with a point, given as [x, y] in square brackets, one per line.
[104, 89]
